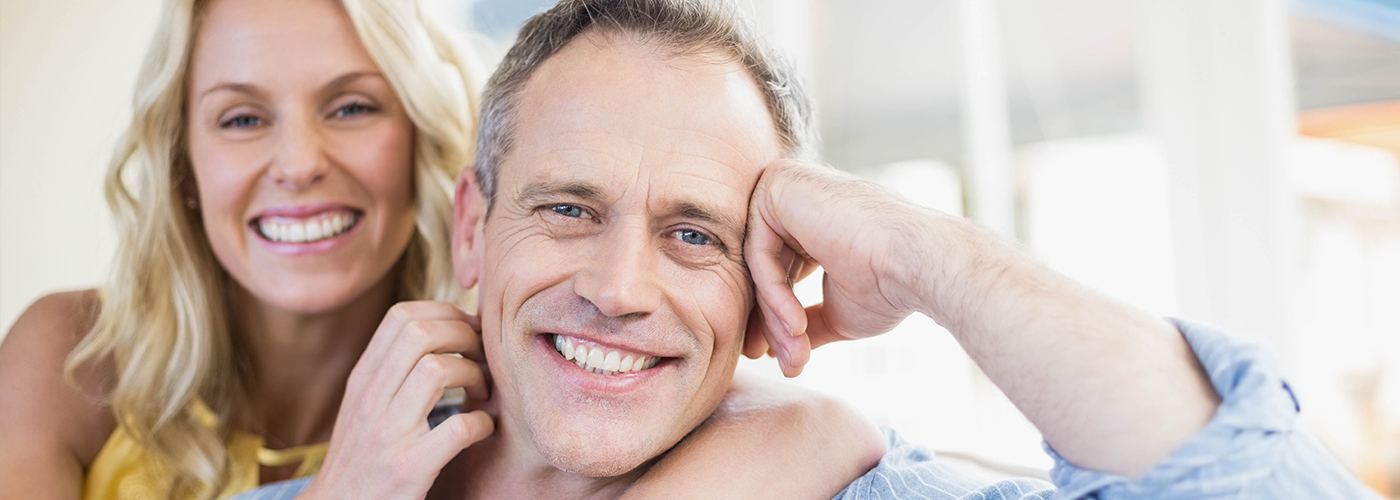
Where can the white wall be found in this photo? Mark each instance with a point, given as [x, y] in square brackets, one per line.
[66, 72]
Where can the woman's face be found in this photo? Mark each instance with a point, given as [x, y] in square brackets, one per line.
[301, 151]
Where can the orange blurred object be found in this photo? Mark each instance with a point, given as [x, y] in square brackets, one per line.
[1373, 124]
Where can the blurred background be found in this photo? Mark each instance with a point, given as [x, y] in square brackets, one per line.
[1235, 163]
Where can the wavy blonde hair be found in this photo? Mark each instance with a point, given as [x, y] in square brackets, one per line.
[164, 319]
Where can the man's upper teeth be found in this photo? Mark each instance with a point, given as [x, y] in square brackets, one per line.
[599, 359]
[315, 228]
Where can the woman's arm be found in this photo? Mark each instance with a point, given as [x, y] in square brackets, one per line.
[49, 428]
[767, 440]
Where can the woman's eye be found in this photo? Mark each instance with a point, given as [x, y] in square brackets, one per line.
[693, 237]
[353, 109]
[567, 210]
[241, 121]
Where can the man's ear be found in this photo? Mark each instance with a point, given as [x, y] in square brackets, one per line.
[469, 217]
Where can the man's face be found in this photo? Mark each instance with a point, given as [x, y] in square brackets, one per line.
[616, 240]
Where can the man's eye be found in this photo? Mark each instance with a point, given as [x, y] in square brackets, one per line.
[241, 121]
[567, 210]
[692, 237]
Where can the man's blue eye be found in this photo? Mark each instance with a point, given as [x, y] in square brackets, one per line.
[693, 237]
[568, 210]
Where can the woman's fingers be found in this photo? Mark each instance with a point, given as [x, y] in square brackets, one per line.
[415, 340]
[454, 435]
[403, 313]
[381, 437]
[433, 374]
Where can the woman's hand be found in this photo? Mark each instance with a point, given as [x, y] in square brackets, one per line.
[382, 446]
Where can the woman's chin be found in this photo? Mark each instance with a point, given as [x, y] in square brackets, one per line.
[310, 296]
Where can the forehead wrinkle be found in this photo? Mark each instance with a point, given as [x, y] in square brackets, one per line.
[738, 151]
[709, 206]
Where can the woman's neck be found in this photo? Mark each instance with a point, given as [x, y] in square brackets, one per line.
[299, 362]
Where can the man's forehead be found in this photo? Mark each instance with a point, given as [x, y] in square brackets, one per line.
[610, 113]
[612, 94]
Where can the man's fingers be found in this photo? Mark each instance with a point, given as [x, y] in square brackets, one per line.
[433, 374]
[764, 252]
[754, 342]
[793, 351]
[820, 331]
[453, 435]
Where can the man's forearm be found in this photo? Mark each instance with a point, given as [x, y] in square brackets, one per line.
[1110, 387]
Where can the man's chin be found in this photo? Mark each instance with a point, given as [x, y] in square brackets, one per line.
[589, 460]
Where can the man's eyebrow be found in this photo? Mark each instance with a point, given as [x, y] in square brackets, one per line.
[696, 211]
[541, 191]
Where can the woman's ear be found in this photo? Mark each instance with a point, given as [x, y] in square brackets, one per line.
[469, 217]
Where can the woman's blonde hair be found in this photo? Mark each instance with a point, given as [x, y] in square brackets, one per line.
[164, 319]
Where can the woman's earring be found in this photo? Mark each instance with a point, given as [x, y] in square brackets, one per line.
[192, 202]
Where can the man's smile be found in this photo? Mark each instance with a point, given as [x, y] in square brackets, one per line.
[599, 359]
[595, 368]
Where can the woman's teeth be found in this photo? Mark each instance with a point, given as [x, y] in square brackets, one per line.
[319, 227]
[602, 360]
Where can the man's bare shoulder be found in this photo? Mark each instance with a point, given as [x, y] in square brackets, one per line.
[832, 443]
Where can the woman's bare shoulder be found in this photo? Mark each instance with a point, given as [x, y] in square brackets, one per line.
[60, 317]
[44, 408]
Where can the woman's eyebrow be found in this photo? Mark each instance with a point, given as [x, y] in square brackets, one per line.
[345, 79]
[239, 87]
[256, 91]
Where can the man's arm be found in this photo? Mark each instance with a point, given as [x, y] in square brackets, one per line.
[1110, 387]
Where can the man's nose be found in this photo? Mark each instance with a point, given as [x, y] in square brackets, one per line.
[620, 279]
[301, 160]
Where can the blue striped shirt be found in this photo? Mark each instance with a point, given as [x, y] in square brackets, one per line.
[1252, 448]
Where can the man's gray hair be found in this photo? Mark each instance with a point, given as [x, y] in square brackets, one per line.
[683, 26]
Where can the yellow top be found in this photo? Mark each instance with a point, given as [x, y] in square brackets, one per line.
[123, 470]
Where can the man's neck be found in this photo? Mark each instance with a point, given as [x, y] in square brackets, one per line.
[506, 465]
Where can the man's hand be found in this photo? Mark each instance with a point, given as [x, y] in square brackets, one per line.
[382, 446]
[1109, 386]
[802, 216]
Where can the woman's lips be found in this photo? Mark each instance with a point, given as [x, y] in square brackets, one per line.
[305, 229]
